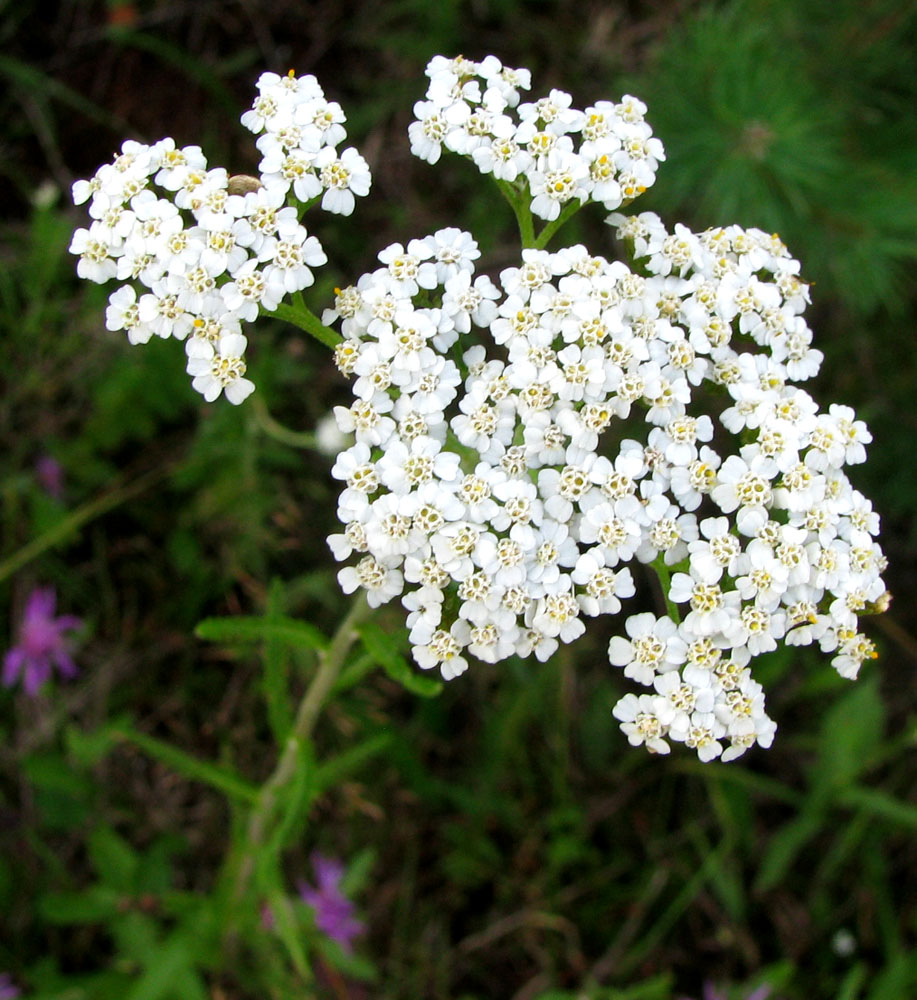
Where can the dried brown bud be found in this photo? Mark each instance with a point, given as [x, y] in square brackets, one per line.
[243, 184]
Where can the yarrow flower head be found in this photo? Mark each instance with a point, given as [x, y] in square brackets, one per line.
[511, 464]
[522, 450]
[558, 154]
[42, 645]
[198, 252]
[334, 912]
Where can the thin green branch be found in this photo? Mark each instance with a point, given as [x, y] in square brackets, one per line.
[519, 202]
[665, 581]
[569, 210]
[274, 429]
[263, 815]
[300, 315]
[82, 515]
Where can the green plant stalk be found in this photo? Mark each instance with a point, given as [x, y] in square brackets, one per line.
[276, 430]
[519, 203]
[665, 578]
[82, 515]
[300, 315]
[262, 815]
[569, 210]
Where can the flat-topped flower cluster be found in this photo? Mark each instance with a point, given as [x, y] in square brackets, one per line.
[605, 153]
[519, 445]
[501, 490]
[211, 250]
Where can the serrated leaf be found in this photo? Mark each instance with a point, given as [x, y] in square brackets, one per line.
[276, 661]
[217, 777]
[290, 631]
[382, 647]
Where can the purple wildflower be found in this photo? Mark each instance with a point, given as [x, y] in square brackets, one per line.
[334, 913]
[712, 992]
[50, 475]
[42, 644]
[7, 990]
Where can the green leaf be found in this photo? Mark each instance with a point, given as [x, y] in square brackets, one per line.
[383, 648]
[113, 859]
[88, 748]
[52, 773]
[851, 736]
[880, 804]
[289, 931]
[96, 904]
[358, 871]
[171, 959]
[784, 847]
[349, 963]
[275, 683]
[331, 772]
[290, 631]
[298, 796]
[217, 777]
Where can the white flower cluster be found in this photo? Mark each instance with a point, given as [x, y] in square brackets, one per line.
[210, 250]
[468, 109]
[499, 495]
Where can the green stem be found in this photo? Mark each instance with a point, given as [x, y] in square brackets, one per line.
[299, 314]
[519, 202]
[665, 579]
[82, 515]
[262, 816]
[569, 210]
[276, 430]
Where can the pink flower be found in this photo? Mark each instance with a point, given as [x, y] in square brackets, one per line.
[334, 913]
[42, 644]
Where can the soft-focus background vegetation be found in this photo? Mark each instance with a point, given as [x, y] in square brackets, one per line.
[509, 843]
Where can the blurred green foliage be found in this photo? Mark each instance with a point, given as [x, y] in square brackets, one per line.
[504, 841]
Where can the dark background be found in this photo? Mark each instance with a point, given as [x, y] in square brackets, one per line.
[519, 845]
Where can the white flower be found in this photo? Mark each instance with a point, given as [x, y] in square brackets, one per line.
[654, 647]
[443, 649]
[380, 582]
[342, 177]
[701, 731]
[643, 721]
[562, 179]
[290, 262]
[123, 314]
[427, 133]
[221, 369]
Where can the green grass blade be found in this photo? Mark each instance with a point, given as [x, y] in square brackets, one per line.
[290, 631]
[197, 770]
